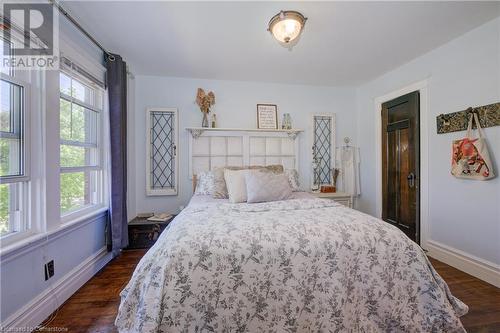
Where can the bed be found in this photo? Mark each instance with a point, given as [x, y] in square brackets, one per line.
[297, 265]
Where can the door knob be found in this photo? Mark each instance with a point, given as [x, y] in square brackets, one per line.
[411, 179]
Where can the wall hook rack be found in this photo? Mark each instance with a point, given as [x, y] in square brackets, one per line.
[489, 116]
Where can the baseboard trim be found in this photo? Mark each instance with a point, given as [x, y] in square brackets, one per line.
[36, 311]
[477, 267]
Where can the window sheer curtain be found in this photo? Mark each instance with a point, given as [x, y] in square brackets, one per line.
[116, 71]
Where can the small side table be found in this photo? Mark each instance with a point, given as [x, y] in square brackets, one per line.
[340, 197]
[142, 234]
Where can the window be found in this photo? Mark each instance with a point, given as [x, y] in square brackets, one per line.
[39, 142]
[14, 174]
[81, 108]
[161, 161]
[5, 69]
[322, 149]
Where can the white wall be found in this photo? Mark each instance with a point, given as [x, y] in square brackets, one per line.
[463, 214]
[235, 107]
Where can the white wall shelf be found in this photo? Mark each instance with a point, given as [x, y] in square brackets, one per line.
[197, 131]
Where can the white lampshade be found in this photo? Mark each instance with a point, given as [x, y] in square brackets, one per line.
[287, 26]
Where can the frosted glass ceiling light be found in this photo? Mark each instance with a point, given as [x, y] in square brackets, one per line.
[286, 27]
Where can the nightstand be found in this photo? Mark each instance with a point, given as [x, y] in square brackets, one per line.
[142, 234]
[342, 198]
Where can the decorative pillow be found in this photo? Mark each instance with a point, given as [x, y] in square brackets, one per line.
[293, 179]
[267, 186]
[205, 183]
[220, 189]
[236, 185]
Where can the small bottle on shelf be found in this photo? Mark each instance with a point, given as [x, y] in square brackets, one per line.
[214, 120]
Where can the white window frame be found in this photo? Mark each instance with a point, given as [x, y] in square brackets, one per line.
[333, 127]
[167, 191]
[22, 199]
[40, 186]
[99, 197]
[11, 69]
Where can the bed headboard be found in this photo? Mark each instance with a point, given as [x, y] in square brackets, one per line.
[218, 147]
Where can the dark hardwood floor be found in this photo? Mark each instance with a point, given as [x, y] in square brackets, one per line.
[94, 306]
[482, 298]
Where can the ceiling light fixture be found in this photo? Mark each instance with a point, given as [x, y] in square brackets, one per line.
[286, 27]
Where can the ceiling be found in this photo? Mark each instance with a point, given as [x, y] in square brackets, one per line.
[344, 43]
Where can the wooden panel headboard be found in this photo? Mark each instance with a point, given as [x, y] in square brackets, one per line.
[218, 147]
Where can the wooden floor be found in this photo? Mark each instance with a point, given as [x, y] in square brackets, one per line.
[93, 308]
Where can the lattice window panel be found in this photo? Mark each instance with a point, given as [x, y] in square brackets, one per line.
[322, 148]
[162, 166]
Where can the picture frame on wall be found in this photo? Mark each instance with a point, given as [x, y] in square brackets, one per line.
[267, 116]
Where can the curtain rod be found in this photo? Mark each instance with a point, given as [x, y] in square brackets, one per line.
[82, 30]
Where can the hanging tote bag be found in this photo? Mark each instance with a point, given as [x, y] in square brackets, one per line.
[471, 159]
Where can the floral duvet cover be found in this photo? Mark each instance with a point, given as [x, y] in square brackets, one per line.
[304, 265]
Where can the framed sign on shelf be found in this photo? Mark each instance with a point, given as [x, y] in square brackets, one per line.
[267, 116]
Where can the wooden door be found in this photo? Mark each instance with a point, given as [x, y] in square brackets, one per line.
[400, 164]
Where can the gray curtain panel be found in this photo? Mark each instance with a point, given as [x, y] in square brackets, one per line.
[117, 234]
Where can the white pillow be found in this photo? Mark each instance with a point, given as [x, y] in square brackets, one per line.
[266, 186]
[293, 179]
[205, 183]
[236, 185]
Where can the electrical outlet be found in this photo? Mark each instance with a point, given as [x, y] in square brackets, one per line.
[49, 270]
